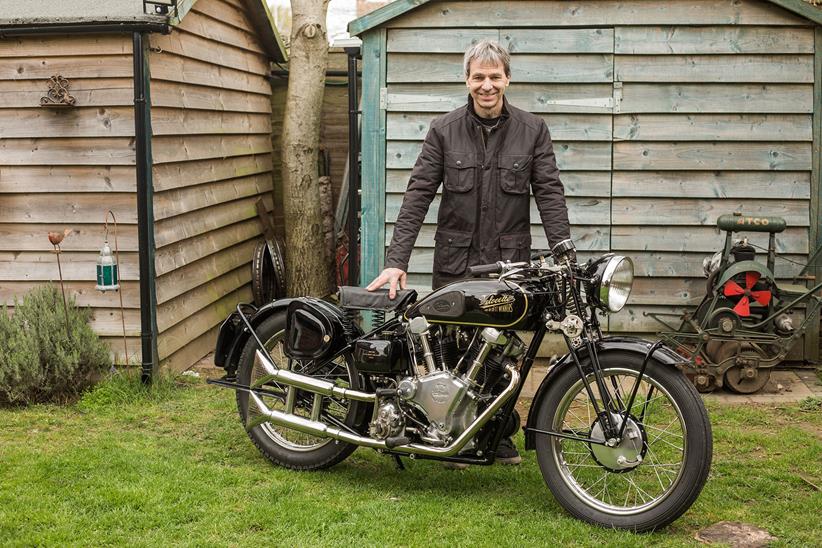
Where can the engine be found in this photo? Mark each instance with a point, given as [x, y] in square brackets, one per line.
[456, 370]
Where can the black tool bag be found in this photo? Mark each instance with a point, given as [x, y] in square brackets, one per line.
[310, 333]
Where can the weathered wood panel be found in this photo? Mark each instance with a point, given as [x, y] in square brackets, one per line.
[733, 98]
[567, 68]
[30, 236]
[42, 266]
[192, 275]
[682, 40]
[183, 200]
[570, 155]
[67, 179]
[108, 322]
[171, 176]
[178, 309]
[82, 292]
[581, 211]
[179, 254]
[30, 68]
[437, 40]
[714, 68]
[174, 68]
[707, 239]
[187, 96]
[563, 127]
[715, 156]
[212, 145]
[75, 122]
[60, 46]
[593, 13]
[191, 224]
[213, 52]
[712, 184]
[67, 208]
[531, 97]
[557, 40]
[115, 344]
[173, 121]
[666, 264]
[712, 127]
[171, 148]
[73, 151]
[89, 92]
[577, 183]
[681, 211]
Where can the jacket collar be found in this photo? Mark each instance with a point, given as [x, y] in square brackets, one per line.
[504, 115]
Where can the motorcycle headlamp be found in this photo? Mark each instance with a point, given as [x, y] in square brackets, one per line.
[614, 277]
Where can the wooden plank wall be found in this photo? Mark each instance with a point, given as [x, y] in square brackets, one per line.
[712, 112]
[211, 121]
[64, 168]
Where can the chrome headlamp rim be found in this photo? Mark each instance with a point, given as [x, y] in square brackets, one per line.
[607, 266]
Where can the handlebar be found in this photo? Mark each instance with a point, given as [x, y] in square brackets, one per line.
[478, 270]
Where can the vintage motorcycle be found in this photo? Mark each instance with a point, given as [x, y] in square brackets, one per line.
[621, 437]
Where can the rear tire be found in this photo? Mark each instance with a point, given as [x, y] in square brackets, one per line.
[283, 446]
[673, 448]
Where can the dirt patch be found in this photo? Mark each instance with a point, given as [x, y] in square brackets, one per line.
[736, 534]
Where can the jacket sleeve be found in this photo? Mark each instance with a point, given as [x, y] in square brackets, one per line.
[548, 190]
[422, 187]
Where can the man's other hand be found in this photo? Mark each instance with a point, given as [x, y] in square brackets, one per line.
[394, 276]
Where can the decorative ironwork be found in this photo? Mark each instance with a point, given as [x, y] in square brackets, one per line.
[58, 95]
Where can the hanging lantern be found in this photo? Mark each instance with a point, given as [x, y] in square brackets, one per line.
[107, 270]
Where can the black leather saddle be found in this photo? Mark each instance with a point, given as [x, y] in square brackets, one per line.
[359, 298]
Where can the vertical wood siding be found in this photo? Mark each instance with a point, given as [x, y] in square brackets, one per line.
[211, 121]
[64, 168]
[712, 113]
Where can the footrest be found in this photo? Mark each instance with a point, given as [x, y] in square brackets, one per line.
[359, 298]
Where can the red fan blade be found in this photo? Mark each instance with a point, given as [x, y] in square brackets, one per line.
[762, 297]
[750, 279]
[742, 307]
[732, 289]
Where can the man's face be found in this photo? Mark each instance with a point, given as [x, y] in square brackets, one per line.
[486, 84]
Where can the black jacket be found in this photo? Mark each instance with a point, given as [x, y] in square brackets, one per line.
[484, 213]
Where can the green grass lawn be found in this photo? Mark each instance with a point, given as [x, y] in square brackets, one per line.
[175, 467]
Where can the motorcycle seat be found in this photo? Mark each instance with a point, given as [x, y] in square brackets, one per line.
[359, 298]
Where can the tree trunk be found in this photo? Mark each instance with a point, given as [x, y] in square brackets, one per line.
[306, 268]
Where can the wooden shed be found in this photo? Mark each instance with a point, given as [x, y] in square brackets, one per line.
[665, 114]
[170, 129]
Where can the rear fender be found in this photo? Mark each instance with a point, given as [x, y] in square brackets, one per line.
[234, 334]
[663, 355]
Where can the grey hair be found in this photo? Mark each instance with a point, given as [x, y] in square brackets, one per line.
[487, 52]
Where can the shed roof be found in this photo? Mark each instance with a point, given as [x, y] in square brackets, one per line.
[28, 13]
[809, 9]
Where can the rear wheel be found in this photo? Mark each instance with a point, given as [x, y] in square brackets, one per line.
[653, 474]
[283, 446]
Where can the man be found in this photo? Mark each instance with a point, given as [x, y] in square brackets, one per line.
[486, 154]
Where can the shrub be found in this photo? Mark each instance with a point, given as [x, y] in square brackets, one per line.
[42, 359]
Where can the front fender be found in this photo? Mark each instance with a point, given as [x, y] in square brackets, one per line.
[662, 355]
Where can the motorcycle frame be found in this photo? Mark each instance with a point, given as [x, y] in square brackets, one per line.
[495, 424]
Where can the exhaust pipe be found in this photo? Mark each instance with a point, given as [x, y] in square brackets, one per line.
[316, 428]
[310, 384]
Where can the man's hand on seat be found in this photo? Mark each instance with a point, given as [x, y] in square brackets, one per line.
[394, 276]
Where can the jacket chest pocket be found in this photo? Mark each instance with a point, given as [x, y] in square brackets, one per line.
[460, 170]
[514, 173]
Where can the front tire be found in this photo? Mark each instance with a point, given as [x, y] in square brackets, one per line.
[654, 474]
[283, 446]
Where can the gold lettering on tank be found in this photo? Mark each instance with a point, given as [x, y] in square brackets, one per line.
[498, 303]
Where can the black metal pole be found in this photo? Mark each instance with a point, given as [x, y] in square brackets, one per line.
[145, 216]
[353, 225]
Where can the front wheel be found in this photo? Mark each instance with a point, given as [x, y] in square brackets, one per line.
[654, 474]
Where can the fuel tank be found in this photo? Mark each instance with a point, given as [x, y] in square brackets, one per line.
[484, 302]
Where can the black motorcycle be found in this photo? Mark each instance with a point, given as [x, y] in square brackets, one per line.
[621, 437]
